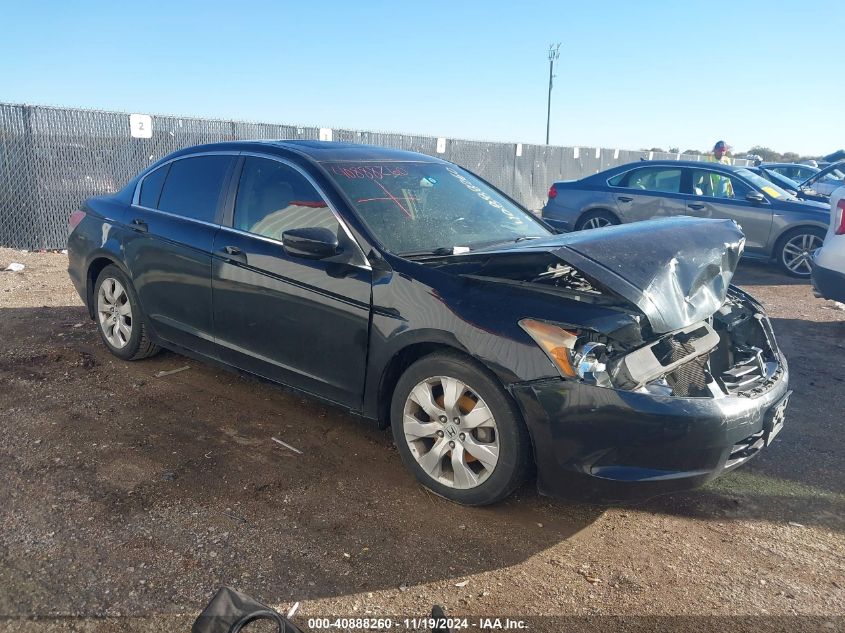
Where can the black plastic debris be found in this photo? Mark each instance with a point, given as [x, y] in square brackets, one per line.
[230, 611]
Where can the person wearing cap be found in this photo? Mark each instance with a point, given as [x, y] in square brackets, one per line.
[720, 151]
[716, 185]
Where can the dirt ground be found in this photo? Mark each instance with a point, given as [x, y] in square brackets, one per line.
[127, 499]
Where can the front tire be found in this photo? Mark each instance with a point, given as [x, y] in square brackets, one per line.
[795, 250]
[117, 312]
[458, 431]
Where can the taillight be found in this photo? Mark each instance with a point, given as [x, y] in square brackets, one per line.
[73, 221]
[552, 192]
[841, 207]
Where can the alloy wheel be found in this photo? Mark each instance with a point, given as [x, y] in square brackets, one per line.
[798, 251]
[596, 223]
[114, 312]
[451, 432]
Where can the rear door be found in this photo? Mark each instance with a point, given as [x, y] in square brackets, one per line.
[648, 192]
[174, 218]
[720, 195]
[302, 322]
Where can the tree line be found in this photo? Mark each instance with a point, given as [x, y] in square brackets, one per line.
[768, 155]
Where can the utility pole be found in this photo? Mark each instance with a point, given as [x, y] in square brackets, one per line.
[554, 53]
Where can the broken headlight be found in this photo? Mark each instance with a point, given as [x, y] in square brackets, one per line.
[591, 363]
[570, 352]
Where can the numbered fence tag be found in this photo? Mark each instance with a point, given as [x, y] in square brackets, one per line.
[140, 126]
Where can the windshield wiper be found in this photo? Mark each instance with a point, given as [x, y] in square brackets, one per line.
[442, 250]
[521, 238]
[459, 250]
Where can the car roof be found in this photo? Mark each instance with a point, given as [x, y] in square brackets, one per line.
[671, 163]
[318, 151]
[776, 164]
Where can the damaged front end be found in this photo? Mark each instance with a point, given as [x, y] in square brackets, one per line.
[733, 352]
[683, 382]
[689, 334]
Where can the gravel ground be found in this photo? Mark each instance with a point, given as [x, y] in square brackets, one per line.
[129, 499]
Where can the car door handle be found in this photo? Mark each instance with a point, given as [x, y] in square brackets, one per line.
[139, 225]
[696, 206]
[234, 253]
[625, 199]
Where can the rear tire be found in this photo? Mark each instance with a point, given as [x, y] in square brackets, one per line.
[119, 318]
[458, 431]
[596, 220]
[795, 248]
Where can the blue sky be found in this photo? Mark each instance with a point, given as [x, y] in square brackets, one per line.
[630, 74]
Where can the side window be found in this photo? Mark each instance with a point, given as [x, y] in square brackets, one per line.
[151, 187]
[715, 185]
[664, 179]
[274, 197]
[193, 186]
[616, 181]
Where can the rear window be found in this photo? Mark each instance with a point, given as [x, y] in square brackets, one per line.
[663, 179]
[193, 185]
[151, 187]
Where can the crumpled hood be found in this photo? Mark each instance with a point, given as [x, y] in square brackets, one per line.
[675, 270]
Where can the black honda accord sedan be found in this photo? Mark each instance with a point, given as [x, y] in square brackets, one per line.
[619, 362]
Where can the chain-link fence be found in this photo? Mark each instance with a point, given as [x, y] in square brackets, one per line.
[51, 159]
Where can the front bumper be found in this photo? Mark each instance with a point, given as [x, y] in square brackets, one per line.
[610, 445]
[828, 283]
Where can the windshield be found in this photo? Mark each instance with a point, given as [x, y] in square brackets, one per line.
[426, 207]
[767, 186]
[779, 179]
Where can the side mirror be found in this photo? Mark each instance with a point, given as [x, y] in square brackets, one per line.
[313, 242]
[755, 196]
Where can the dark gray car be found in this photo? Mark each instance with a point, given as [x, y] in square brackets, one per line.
[795, 171]
[776, 224]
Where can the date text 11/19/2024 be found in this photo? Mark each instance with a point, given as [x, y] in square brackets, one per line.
[418, 624]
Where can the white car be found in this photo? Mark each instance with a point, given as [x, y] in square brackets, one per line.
[829, 260]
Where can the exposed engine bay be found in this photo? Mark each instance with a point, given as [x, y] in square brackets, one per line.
[681, 330]
[732, 353]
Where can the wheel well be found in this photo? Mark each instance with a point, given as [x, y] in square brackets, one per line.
[411, 354]
[597, 210]
[792, 229]
[406, 357]
[394, 370]
[94, 270]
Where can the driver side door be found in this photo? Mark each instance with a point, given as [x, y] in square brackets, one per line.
[299, 321]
